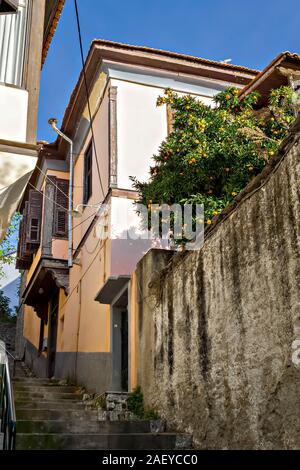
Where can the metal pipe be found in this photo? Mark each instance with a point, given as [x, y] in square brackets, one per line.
[53, 123]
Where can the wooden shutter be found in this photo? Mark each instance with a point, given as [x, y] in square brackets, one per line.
[30, 229]
[23, 254]
[60, 225]
[34, 218]
[19, 261]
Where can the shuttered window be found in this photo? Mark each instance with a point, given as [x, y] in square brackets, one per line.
[87, 183]
[23, 259]
[60, 225]
[33, 224]
[30, 229]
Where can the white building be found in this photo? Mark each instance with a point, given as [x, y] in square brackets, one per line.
[26, 30]
[85, 314]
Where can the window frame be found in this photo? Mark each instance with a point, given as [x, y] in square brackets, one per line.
[88, 173]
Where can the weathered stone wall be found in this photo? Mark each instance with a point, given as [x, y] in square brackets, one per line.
[7, 335]
[216, 326]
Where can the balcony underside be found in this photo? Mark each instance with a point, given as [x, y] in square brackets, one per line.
[49, 274]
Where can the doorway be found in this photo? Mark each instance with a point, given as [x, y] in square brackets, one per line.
[120, 343]
[52, 333]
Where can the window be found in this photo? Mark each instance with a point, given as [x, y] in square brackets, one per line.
[30, 229]
[87, 182]
[34, 230]
[60, 225]
[35, 204]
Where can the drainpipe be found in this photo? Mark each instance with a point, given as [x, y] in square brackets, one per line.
[53, 123]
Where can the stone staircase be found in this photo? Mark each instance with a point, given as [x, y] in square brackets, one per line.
[52, 415]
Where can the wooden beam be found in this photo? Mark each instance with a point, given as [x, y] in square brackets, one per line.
[33, 65]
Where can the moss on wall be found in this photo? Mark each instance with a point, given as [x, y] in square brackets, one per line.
[216, 332]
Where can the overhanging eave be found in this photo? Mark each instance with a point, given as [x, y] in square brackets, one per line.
[112, 287]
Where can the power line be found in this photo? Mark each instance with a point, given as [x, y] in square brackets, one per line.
[75, 226]
[49, 198]
[77, 284]
[66, 210]
[54, 202]
[87, 92]
[57, 187]
[49, 179]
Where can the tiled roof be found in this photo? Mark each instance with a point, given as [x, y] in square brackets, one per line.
[52, 27]
[278, 59]
[175, 55]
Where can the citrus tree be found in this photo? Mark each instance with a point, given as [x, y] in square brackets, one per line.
[213, 152]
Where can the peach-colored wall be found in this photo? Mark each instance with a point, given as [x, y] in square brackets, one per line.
[61, 321]
[84, 323]
[69, 310]
[59, 248]
[100, 127]
[60, 251]
[31, 328]
[35, 261]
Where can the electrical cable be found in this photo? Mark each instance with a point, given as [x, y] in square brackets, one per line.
[77, 284]
[87, 92]
[66, 210]
[48, 179]
[52, 182]
[49, 198]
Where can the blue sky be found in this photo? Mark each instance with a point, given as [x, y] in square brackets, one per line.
[250, 33]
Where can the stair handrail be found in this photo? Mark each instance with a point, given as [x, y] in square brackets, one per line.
[7, 404]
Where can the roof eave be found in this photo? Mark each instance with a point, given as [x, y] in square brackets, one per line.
[138, 55]
[51, 29]
[267, 71]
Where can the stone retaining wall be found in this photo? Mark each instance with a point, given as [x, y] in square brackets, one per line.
[218, 327]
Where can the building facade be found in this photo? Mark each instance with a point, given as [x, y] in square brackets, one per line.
[80, 321]
[26, 30]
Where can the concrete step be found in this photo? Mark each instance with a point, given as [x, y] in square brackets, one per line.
[49, 405]
[46, 395]
[74, 426]
[165, 441]
[36, 380]
[56, 414]
[18, 387]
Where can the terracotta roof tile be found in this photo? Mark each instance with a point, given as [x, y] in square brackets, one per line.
[56, 17]
[278, 59]
[176, 55]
